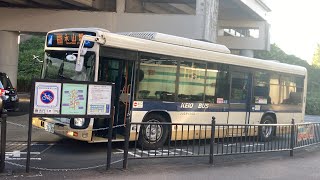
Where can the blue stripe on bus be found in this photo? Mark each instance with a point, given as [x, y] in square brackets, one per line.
[209, 107]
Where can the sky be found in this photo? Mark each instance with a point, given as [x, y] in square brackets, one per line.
[295, 26]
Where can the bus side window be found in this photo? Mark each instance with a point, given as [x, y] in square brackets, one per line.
[217, 83]
[158, 80]
[191, 81]
[291, 90]
[261, 88]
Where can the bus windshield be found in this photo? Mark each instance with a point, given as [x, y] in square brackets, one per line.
[56, 66]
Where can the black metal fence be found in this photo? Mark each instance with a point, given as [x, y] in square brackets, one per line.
[3, 123]
[177, 141]
[194, 140]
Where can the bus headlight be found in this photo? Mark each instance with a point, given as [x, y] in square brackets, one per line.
[79, 122]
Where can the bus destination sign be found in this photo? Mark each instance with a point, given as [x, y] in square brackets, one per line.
[68, 39]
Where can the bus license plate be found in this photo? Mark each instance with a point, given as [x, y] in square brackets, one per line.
[49, 127]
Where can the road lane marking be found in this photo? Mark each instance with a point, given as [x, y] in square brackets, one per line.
[171, 152]
[19, 159]
[24, 144]
[44, 150]
[121, 151]
[16, 152]
[16, 124]
[16, 155]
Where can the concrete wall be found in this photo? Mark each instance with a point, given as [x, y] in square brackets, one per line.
[180, 25]
[258, 7]
[261, 43]
[9, 53]
[39, 20]
[42, 20]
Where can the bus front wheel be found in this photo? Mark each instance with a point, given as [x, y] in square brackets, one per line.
[266, 133]
[153, 136]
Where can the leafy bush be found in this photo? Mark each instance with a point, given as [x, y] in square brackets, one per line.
[24, 84]
[28, 67]
[313, 106]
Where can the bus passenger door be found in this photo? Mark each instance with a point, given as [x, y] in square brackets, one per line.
[119, 72]
[240, 98]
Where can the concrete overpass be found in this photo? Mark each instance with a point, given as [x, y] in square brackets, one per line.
[239, 24]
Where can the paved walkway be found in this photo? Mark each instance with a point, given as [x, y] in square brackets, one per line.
[304, 165]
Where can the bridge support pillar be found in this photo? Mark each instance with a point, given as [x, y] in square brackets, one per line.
[9, 55]
[208, 10]
[247, 53]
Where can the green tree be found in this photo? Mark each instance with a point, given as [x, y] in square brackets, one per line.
[28, 66]
[278, 54]
[316, 57]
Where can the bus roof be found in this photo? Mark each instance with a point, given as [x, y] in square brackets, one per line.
[206, 54]
[159, 43]
[180, 41]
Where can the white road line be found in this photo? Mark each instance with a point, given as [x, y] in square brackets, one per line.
[16, 124]
[10, 159]
[251, 145]
[183, 150]
[230, 144]
[131, 153]
[23, 144]
[37, 153]
[44, 150]
[120, 151]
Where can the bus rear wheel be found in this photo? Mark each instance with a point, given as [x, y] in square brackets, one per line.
[266, 133]
[153, 136]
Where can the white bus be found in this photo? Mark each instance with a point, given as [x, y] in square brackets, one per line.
[164, 78]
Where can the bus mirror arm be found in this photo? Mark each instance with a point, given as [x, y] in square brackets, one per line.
[82, 51]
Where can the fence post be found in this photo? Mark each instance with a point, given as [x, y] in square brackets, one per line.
[213, 127]
[292, 137]
[3, 140]
[126, 145]
[110, 129]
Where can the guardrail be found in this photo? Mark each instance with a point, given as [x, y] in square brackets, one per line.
[209, 140]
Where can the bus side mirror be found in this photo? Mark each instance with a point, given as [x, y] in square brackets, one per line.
[83, 51]
[80, 59]
[79, 64]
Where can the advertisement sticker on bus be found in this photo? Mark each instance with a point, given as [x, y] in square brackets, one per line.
[138, 104]
[220, 101]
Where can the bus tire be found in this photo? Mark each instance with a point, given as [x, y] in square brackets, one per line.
[153, 136]
[266, 133]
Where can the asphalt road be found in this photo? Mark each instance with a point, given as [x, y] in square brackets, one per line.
[53, 153]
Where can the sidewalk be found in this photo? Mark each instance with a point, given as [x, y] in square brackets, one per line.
[276, 166]
[304, 165]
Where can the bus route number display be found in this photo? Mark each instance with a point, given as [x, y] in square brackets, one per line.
[68, 39]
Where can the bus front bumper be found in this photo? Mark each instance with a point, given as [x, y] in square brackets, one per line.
[56, 127]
